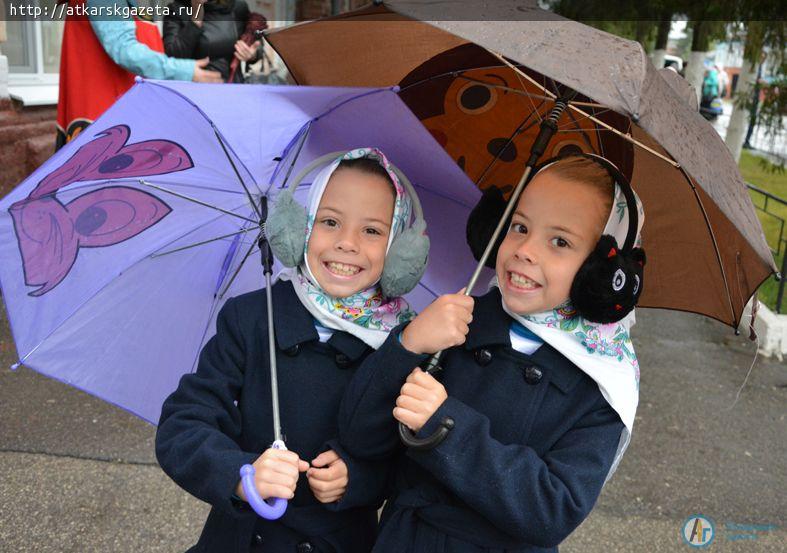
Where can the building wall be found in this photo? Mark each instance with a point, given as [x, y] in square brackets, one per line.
[27, 139]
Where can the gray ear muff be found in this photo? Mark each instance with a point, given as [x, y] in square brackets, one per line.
[405, 263]
[286, 229]
[287, 220]
[407, 257]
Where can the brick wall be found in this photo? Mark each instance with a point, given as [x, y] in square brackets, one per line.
[27, 139]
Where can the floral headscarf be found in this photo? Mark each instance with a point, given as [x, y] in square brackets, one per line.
[367, 314]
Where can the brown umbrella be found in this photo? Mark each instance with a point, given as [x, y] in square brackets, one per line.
[481, 87]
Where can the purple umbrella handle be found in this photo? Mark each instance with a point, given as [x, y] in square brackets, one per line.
[269, 509]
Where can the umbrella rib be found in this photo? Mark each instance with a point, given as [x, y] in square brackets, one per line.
[308, 126]
[575, 121]
[624, 136]
[65, 190]
[425, 287]
[532, 104]
[213, 304]
[196, 201]
[447, 74]
[442, 195]
[301, 137]
[301, 142]
[460, 73]
[523, 92]
[601, 143]
[204, 242]
[516, 132]
[237, 270]
[715, 245]
[237, 174]
[583, 133]
[101, 289]
[205, 116]
[554, 85]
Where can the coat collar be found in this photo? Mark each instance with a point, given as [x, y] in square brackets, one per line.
[491, 326]
[295, 325]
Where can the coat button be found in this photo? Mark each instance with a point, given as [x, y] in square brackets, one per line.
[304, 547]
[293, 351]
[342, 361]
[257, 539]
[483, 357]
[533, 374]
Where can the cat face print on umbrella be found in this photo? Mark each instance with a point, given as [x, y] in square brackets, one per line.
[51, 233]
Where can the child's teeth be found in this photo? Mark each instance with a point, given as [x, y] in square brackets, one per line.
[522, 281]
[342, 269]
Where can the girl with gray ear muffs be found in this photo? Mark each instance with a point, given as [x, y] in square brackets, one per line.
[349, 256]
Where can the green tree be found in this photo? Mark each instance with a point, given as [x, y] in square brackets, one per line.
[764, 34]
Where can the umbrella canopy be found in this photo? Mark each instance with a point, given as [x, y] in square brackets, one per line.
[481, 86]
[117, 253]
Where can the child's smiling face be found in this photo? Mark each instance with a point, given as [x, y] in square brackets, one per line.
[347, 246]
[555, 226]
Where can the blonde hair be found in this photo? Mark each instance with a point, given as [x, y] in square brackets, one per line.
[585, 171]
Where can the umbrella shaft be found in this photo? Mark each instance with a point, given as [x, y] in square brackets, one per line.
[272, 350]
[433, 364]
[498, 229]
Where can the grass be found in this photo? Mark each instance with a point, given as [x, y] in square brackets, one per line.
[775, 182]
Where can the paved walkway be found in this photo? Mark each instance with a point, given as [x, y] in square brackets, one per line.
[80, 475]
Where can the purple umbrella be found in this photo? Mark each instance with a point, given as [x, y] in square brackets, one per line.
[117, 253]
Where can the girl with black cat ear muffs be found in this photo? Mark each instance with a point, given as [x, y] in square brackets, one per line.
[535, 407]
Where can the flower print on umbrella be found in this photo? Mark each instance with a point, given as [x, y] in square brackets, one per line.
[50, 233]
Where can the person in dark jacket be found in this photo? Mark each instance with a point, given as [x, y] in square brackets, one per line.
[538, 401]
[330, 309]
[211, 30]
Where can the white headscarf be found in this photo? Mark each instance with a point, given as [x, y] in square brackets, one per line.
[366, 314]
[603, 351]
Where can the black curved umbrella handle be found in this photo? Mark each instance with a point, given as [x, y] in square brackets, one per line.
[430, 442]
[446, 425]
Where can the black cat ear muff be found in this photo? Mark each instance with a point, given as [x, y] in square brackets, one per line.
[609, 283]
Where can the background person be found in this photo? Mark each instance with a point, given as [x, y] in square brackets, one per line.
[101, 54]
[210, 29]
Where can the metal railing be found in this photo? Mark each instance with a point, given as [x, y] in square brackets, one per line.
[781, 241]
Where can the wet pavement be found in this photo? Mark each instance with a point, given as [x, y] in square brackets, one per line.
[80, 475]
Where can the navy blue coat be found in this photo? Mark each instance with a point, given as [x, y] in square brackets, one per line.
[532, 444]
[219, 418]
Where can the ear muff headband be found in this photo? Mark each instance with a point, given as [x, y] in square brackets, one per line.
[617, 178]
[407, 255]
[418, 212]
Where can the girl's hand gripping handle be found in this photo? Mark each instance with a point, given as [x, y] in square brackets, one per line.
[270, 509]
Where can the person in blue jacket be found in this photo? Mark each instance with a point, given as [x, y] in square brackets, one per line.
[537, 400]
[330, 309]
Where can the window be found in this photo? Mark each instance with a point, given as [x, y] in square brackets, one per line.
[33, 52]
